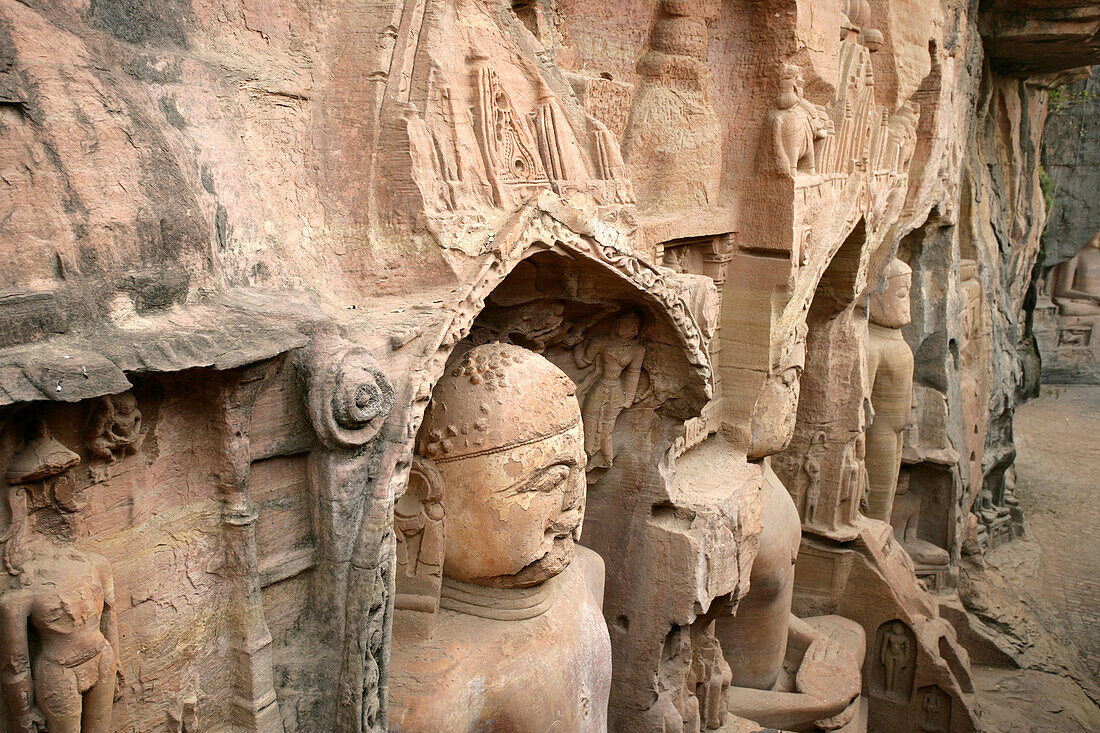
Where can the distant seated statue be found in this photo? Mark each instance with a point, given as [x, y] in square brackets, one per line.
[58, 630]
[519, 642]
[787, 673]
[1077, 282]
[906, 522]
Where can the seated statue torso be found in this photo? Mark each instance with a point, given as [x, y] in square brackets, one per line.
[547, 672]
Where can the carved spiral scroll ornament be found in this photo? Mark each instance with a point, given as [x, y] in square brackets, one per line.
[349, 396]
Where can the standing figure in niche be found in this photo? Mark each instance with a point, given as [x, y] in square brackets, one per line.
[617, 359]
[894, 656]
[64, 598]
[890, 373]
[811, 467]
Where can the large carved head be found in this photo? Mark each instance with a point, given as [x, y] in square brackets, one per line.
[776, 410]
[504, 431]
[890, 308]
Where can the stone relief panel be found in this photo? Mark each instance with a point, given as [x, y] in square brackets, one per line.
[63, 604]
[894, 664]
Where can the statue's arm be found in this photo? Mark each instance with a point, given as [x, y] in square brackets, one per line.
[108, 620]
[633, 374]
[781, 710]
[584, 353]
[15, 661]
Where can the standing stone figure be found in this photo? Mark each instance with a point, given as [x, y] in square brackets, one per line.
[617, 359]
[1077, 282]
[890, 373]
[63, 603]
[894, 656]
[520, 641]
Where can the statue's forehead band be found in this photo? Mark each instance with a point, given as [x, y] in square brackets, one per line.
[508, 446]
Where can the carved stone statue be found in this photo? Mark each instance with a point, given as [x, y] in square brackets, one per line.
[890, 374]
[894, 656]
[520, 603]
[1077, 282]
[811, 476]
[794, 125]
[712, 676]
[62, 607]
[673, 140]
[114, 429]
[905, 519]
[617, 363]
[765, 638]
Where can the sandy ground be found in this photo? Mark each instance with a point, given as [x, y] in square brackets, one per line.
[1055, 569]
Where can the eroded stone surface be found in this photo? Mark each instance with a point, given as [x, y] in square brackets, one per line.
[249, 247]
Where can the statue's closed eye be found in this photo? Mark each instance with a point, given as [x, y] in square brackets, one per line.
[547, 479]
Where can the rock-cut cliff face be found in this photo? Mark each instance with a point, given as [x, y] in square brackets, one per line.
[242, 240]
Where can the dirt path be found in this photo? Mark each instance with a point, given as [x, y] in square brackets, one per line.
[1058, 485]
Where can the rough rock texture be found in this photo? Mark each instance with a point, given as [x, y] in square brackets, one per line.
[1071, 159]
[245, 240]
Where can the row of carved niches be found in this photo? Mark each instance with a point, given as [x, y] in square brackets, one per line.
[923, 519]
[1067, 318]
[60, 640]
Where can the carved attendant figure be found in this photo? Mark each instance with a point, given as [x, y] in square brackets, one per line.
[617, 359]
[890, 373]
[519, 608]
[64, 598]
[795, 125]
[894, 656]
[115, 427]
[1077, 282]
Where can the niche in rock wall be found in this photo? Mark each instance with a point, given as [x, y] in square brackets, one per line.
[623, 341]
[822, 466]
[894, 662]
[923, 519]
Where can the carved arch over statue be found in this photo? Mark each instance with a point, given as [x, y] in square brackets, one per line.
[677, 311]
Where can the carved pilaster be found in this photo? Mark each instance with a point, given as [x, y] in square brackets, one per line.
[348, 399]
[254, 706]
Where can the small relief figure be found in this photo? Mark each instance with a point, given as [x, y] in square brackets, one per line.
[713, 676]
[114, 429]
[811, 468]
[63, 606]
[795, 125]
[617, 361]
[676, 709]
[418, 522]
[894, 657]
[847, 508]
